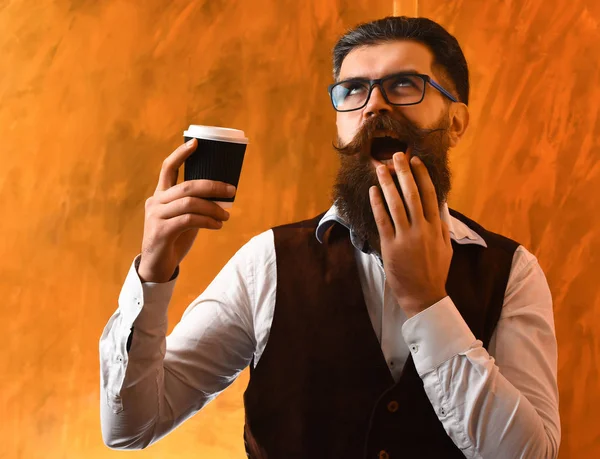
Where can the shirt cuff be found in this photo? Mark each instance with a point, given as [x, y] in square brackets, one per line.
[145, 303]
[436, 334]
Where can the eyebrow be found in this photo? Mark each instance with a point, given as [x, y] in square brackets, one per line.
[363, 78]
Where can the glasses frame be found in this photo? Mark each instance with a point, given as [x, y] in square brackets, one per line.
[379, 81]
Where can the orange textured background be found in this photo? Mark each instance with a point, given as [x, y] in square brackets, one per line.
[94, 95]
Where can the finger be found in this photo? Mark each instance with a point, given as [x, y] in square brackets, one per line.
[427, 192]
[392, 198]
[178, 225]
[446, 233]
[198, 188]
[409, 188]
[192, 205]
[382, 219]
[171, 165]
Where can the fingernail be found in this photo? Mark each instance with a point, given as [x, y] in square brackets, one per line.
[380, 170]
[190, 142]
[398, 156]
[230, 189]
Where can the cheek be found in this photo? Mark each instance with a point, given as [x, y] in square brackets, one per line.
[416, 114]
[431, 115]
[347, 126]
[427, 114]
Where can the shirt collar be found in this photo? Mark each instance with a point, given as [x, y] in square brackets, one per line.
[459, 232]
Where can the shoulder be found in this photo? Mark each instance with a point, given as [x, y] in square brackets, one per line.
[261, 248]
[524, 265]
[492, 239]
[310, 223]
[258, 250]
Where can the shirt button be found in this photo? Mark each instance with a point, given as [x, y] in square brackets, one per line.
[414, 348]
[383, 454]
[119, 358]
[393, 406]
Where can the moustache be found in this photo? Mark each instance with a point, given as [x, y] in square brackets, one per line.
[406, 131]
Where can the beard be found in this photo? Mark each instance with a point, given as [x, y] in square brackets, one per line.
[357, 174]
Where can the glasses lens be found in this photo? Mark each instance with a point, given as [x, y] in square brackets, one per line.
[404, 89]
[349, 95]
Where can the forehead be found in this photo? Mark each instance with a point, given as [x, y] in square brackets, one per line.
[375, 61]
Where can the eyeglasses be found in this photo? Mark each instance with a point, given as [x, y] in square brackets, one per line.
[397, 89]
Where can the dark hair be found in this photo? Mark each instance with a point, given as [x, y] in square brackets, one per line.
[447, 52]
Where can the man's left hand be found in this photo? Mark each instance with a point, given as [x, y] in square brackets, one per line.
[416, 248]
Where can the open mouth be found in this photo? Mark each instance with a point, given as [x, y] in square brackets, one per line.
[383, 148]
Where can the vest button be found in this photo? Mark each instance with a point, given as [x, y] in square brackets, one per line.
[393, 406]
[383, 454]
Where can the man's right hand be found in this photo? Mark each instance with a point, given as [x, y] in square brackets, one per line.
[175, 213]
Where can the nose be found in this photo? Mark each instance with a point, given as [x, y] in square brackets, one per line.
[376, 104]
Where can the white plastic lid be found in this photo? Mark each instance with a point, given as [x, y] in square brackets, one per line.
[216, 133]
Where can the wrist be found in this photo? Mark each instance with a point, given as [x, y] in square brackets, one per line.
[149, 275]
[413, 306]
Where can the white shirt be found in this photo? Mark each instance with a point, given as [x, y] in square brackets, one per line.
[496, 403]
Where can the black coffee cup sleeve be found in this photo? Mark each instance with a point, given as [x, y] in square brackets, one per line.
[215, 160]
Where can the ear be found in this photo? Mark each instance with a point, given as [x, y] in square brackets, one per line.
[459, 121]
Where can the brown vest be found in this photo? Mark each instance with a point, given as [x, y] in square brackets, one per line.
[322, 388]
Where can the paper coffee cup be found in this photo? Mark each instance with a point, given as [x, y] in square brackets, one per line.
[219, 156]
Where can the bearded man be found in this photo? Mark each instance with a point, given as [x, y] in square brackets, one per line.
[389, 326]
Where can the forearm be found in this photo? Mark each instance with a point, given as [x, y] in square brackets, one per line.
[131, 386]
[133, 409]
[513, 414]
[159, 382]
[484, 414]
